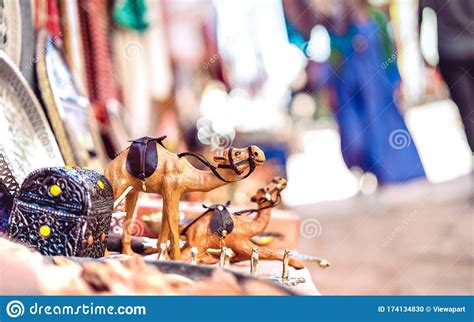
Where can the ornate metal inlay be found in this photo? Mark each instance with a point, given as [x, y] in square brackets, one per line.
[71, 219]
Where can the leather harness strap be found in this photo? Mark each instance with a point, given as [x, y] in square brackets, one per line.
[245, 212]
[272, 204]
[234, 166]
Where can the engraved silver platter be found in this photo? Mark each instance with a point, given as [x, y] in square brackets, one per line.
[69, 110]
[26, 140]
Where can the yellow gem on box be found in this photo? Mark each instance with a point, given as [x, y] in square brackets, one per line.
[55, 190]
[45, 231]
[100, 184]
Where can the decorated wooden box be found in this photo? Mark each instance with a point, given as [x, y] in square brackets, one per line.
[63, 211]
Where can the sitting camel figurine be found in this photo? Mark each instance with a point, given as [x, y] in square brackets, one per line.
[200, 235]
[147, 166]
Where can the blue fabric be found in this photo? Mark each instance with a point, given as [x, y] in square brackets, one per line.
[374, 136]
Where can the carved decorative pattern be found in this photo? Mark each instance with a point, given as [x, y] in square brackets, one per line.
[78, 217]
[8, 188]
[6, 175]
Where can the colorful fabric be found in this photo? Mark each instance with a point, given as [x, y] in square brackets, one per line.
[131, 14]
[374, 136]
[52, 22]
[100, 76]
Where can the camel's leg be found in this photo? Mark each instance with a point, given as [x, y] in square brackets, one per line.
[245, 249]
[165, 229]
[130, 203]
[171, 208]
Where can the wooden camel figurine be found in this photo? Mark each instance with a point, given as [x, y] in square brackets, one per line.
[199, 232]
[147, 166]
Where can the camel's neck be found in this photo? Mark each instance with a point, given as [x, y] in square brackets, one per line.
[206, 180]
[262, 218]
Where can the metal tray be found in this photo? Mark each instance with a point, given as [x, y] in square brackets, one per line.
[26, 141]
[68, 108]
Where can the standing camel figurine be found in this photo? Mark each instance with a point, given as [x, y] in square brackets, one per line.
[147, 166]
[200, 235]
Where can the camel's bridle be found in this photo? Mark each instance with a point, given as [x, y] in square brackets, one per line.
[234, 166]
[266, 198]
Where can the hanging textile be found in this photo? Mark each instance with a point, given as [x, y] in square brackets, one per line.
[100, 76]
[131, 14]
[52, 20]
[71, 28]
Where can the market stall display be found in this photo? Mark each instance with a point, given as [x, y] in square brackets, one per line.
[74, 85]
[171, 175]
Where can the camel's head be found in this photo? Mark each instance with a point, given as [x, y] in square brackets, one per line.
[240, 159]
[271, 192]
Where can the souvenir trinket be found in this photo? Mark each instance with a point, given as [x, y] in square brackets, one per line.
[63, 211]
[170, 175]
[194, 253]
[204, 233]
[254, 262]
[225, 256]
[285, 274]
[322, 263]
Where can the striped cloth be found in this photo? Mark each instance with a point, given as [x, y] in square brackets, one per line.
[95, 29]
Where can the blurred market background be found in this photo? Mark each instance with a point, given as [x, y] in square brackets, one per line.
[346, 98]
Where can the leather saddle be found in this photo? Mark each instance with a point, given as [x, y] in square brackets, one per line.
[142, 157]
[221, 222]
